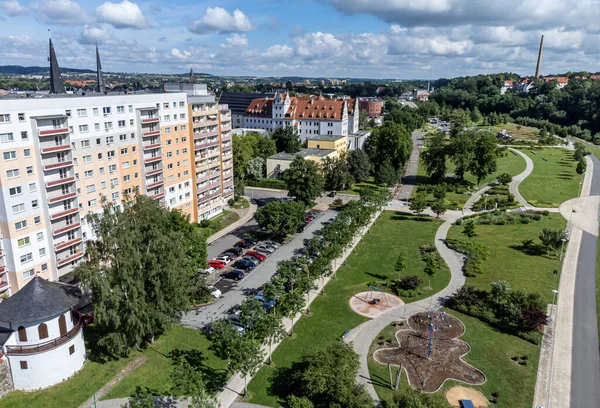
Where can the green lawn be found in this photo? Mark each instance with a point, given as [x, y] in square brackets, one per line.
[553, 179]
[154, 373]
[370, 183]
[518, 132]
[491, 351]
[331, 315]
[524, 272]
[241, 203]
[218, 223]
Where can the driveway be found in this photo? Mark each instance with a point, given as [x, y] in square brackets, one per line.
[235, 292]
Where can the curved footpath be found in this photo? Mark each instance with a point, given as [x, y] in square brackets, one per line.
[513, 187]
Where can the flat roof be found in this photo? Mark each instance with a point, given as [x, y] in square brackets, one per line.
[304, 153]
[329, 138]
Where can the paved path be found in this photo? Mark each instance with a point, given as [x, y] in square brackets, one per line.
[513, 187]
[475, 197]
[410, 179]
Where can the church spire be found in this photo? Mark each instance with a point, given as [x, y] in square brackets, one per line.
[192, 78]
[100, 78]
[56, 82]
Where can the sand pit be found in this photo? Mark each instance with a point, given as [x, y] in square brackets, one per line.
[360, 303]
[455, 394]
[430, 352]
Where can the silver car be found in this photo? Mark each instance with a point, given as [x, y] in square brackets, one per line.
[265, 248]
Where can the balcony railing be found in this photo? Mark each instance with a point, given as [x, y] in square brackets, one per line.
[152, 146]
[2, 269]
[47, 346]
[157, 196]
[65, 229]
[3, 286]
[60, 165]
[155, 184]
[200, 135]
[54, 149]
[151, 133]
[150, 120]
[60, 181]
[72, 258]
[153, 172]
[153, 159]
[67, 244]
[62, 197]
[53, 132]
[64, 213]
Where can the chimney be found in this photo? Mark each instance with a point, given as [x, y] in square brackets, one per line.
[539, 61]
[56, 83]
[100, 78]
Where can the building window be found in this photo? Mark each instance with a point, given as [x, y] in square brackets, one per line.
[108, 126]
[82, 113]
[124, 150]
[91, 188]
[26, 258]
[130, 108]
[29, 170]
[72, 349]
[24, 135]
[89, 173]
[169, 154]
[85, 143]
[121, 123]
[83, 128]
[112, 168]
[43, 331]
[171, 177]
[42, 251]
[23, 364]
[97, 127]
[106, 110]
[12, 155]
[110, 139]
[6, 137]
[122, 138]
[126, 178]
[45, 266]
[101, 170]
[120, 109]
[110, 154]
[23, 242]
[103, 184]
[40, 236]
[26, 275]
[34, 204]
[14, 191]
[12, 173]
[87, 159]
[32, 188]
[19, 208]
[21, 225]
[4, 117]
[27, 152]
[92, 203]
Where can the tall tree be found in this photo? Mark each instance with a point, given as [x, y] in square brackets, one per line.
[337, 174]
[282, 218]
[390, 141]
[485, 156]
[358, 165]
[138, 272]
[266, 147]
[418, 203]
[363, 119]
[400, 264]
[469, 229]
[433, 156]
[287, 139]
[439, 207]
[303, 180]
[255, 168]
[461, 152]
[459, 119]
[386, 174]
[248, 358]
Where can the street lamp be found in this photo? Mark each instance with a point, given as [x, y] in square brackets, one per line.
[555, 292]
[562, 245]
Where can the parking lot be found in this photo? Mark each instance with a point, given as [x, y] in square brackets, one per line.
[234, 292]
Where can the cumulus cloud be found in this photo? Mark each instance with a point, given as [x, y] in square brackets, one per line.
[62, 12]
[122, 15]
[92, 34]
[12, 8]
[219, 20]
[237, 39]
[278, 52]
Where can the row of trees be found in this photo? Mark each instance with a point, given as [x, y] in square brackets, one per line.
[288, 287]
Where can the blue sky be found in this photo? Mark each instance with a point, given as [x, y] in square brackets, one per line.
[329, 38]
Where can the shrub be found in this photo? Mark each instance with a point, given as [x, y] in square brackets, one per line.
[410, 282]
[524, 220]
[231, 201]
[537, 217]
[546, 213]
[204, 223]
[267, 183]
[458, 222]
[337, 202]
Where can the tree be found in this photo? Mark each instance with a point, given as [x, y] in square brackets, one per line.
[329, 379]
[225, 339]
[274, 331]
[282, 218]
[359, 165]
[469, 229]
[418, 203]
[138, 271]
[433, 156]
[287, 139]
[439, 207]
[459, 119]
[551, 238]
[400, 264]
[247, 359]
[461, 152]
[337, 174]
[363, 119]
[390, 141]
[255, 168]
[186, 380]
[504, 179]
[298, 402]
[581, 166]
[291, 303]
[430, 266]
[266, 147]
[439, 191]
[376, 197]
[243, 151]
[485, 155]
[386, 175]
[476, 116]
[303, 180]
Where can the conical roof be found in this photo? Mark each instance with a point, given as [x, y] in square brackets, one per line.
[101, 88]
[39, 300]
[56, 82]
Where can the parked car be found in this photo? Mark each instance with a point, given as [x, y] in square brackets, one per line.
[251, 259]
[271, 244]
[217, 264]
[312, 214]
[286, 199]
[237, 251]
[268, 304]
[331, 194]
[245, 265]
[206, 271]
[257, 255]
[309, 218]
[228, 254]
[224, 258]
[250, 240]
[214, 292]
[244, 244]
[235, 275]
[265, 248]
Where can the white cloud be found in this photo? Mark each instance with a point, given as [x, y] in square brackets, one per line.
[314, 45]
[92, 34]
[219, 20]
[237, 39]
[278, 52]
[12, 8]
[62, 12]
[122, 15]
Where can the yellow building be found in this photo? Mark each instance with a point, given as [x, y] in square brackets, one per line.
[280, 162]
[329, 142]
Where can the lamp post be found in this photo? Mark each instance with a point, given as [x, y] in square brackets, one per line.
[555, 292]
[562, 245]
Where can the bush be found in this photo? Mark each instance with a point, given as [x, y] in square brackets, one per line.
[267, 183]
[231, 201]
[546, 213]
[537, 217]
[337, 202]
[410, 282]
[204, 224]
[524, 220]
[458, 222]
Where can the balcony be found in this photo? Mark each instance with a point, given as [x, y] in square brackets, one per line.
[63, 197]
[48, 345]
[153, 159]
[70, 259]
[200, 135]
[2, 269]
[60, 181]
[60, 165]
[63, 214]
[205, 145]
[151, 133]
[228, 184]
[153, 172]
[67, 244]
[54, 149]
[201, 189]
[65, 229]
[53, 132]
[226, 128]
[150, 120]
[158, 196]
[155, 184]
[208, 197]
[152, 146]
[3, 286]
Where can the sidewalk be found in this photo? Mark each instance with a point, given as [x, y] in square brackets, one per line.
[246, 215]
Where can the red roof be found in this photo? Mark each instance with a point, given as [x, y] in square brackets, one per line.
[305, 108]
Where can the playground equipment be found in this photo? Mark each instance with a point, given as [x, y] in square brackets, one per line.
[382, 301]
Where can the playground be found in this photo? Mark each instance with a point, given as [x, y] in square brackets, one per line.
[374, 302]
[430, 352]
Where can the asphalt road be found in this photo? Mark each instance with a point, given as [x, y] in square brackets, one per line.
[235, 292]
[585, 378]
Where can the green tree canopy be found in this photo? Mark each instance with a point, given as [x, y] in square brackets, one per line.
[433, 156]
[461, 152]
[287, 139]
[390, 141]
[485, 156]
[386, 174]
[358, 165]
[282, 218]
[337, 174]
[303, 180]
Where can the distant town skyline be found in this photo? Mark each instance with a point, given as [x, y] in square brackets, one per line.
[329, 38]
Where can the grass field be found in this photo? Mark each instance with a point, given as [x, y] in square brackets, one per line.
[525, 272]
[370, 183]
[491, 351]
[331, 315]
[516, 131]
[553, 179]
[220, 222]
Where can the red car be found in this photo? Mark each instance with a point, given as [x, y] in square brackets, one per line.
[309, 218]
[257, 255]
[217, 264]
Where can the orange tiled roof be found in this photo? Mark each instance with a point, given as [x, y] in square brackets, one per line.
[594, 76]
[508, 82]
[306, 108]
